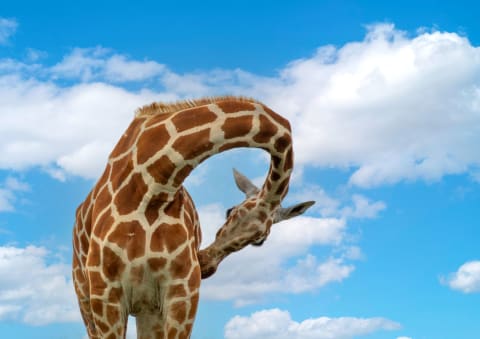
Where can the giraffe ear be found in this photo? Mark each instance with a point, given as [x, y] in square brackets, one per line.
[292, 211]
[244, 184]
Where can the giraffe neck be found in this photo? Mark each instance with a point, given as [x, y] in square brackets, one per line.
[172, 145]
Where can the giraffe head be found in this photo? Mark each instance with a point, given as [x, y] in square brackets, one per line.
[248, 223]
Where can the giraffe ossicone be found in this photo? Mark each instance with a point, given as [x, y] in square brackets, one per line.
[136, 239]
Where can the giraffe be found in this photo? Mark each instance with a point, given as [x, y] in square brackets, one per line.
[136, 238]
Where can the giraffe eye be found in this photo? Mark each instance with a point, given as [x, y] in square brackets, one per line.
[229, 211]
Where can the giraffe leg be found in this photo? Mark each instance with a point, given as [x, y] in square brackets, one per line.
[110, 319]
[181, 314]
[107, 308]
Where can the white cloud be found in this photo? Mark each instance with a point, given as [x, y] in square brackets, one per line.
[33, 290]
[90, 64]
[70, 129]
[363, 208]
[404, 338]
[278, 324]
[9, 191]
[7, 29]
[466, 279]
[359, 207]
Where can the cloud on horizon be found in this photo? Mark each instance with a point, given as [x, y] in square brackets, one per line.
[278, 324]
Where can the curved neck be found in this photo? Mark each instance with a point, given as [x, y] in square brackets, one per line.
[195, 134]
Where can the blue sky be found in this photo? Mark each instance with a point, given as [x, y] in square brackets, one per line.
[384, 100]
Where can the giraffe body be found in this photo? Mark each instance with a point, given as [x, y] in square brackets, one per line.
[137, 236]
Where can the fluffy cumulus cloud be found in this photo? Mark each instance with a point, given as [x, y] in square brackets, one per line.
[33, 290]
[391, 107]
[278, 324]
[466, 279]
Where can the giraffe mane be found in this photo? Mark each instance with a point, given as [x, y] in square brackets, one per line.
[171, 107]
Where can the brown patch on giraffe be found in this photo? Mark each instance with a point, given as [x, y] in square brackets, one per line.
[276, 161]
[128, 138]
[232, 106]
[112, 265]
[176, 291]
[113, 315]
[262, 216]
[274, 175]
[281, 120]
[193, 306]
[93, 259]
[156, 264]
[283, 142]
[102, 326]
[86, 204]
[194, 280]
[172, 333]
[268, 184]
[150, 142]
[267, 130]
[249, 205]
[174, 208]
[178, 311]
[115, 294]
[84, 243]
[182, 174]
[76, 242]
[112, 336]
[236, 144]
[161, 170]
[121, 169]
[154, 120]
[153, 207]
[237, 127]
[288, 160]
[87, 222]
[193, 145]
[130, 196]
[129, 236]
[281, 190]
[193, 118]
[169, 237]
[97, 307]
[137, 274]
[103, 224]
[104, 198]
[180, 266]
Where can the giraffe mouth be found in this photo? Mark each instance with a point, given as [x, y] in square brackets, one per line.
[259, 242]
